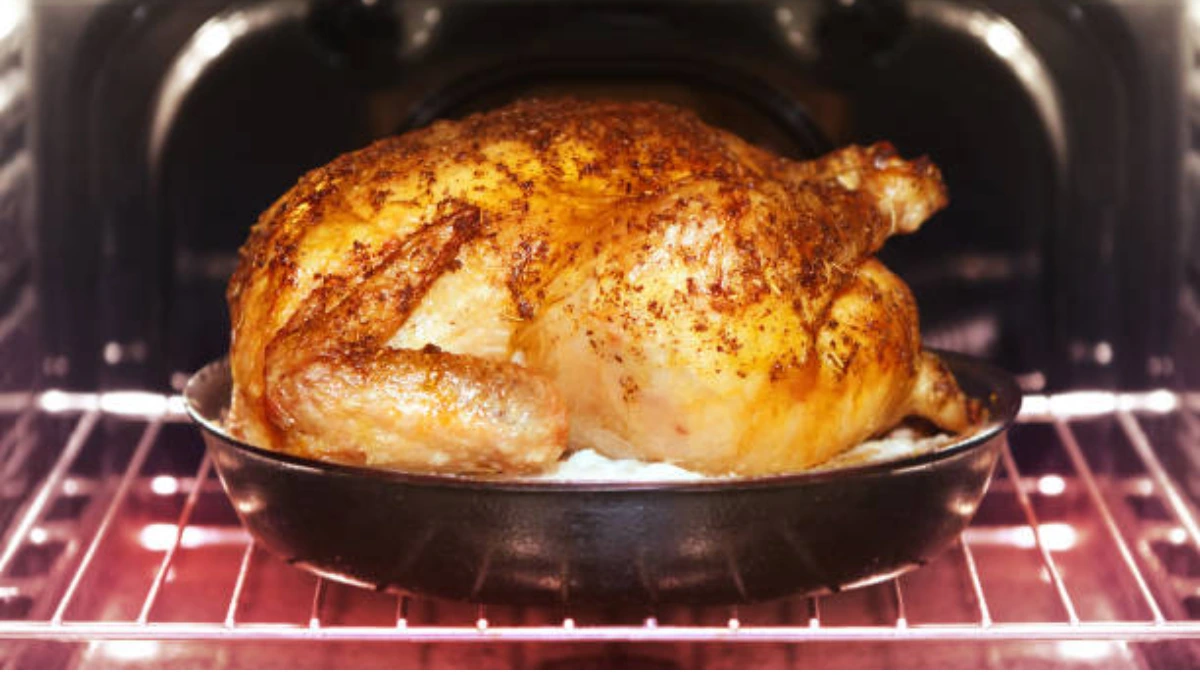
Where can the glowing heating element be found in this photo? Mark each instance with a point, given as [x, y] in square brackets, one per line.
[161, 536]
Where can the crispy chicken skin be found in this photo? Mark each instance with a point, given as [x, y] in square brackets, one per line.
[478, 296]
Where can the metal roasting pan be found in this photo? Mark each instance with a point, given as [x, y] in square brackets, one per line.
[514, 541]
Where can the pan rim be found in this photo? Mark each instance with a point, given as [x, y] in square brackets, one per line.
[1004, 390]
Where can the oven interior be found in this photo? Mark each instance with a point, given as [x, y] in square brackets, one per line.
[140, 139]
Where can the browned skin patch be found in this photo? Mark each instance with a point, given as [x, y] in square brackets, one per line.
[638, 256]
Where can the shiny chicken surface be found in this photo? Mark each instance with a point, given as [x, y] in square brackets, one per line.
[478, 296]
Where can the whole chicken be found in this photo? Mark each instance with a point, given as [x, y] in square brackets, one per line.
[480, 296]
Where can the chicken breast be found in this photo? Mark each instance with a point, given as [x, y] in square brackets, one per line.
[481, 295]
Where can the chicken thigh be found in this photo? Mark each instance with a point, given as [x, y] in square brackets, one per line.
[480, 296]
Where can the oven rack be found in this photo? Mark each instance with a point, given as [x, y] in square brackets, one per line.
[1167, 600]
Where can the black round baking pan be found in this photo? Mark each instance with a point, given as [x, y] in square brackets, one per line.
[526, 542]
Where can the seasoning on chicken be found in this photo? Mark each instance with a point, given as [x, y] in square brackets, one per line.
[480, 295]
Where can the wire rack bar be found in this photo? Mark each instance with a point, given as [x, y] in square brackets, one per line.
[15, 459]
[1035, 407]
[1145, 452]
[1075, 453]
[985, 614]
[184, 516]
[318, 601]
[1092, 630]
[1010, 467]
[236, 596]
[901, 612]
[48, 489]
[16, 402]
[17, 431]
[131, 471]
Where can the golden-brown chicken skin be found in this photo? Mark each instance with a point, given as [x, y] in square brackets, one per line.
[479, 296]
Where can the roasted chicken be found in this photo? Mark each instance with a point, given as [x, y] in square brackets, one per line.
[481, 296]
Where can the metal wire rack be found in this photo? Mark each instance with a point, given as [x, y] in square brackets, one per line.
[66, 572]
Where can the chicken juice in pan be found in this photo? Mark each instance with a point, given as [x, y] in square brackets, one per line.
[481, 296]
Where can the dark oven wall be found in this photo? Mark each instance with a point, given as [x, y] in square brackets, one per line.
[167, 127]
[1187, 336]
[18, 301]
